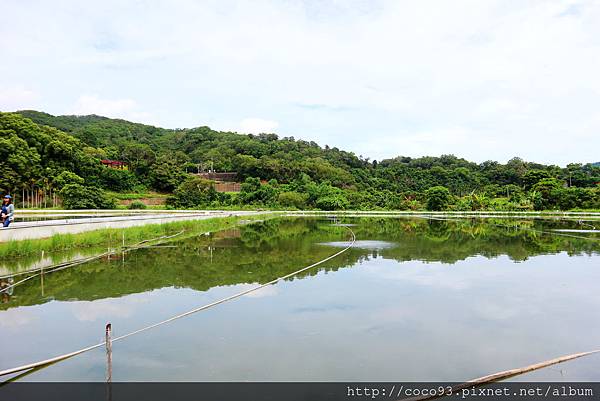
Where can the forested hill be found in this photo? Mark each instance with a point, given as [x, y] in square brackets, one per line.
[301, 173]
[263, 155]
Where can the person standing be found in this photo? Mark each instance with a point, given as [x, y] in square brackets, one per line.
[8, 211]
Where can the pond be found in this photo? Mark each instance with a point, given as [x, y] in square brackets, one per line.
[415, 299]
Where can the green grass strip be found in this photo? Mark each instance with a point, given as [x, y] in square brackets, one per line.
[113, 237]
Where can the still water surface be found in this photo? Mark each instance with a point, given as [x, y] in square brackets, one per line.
[415, 299]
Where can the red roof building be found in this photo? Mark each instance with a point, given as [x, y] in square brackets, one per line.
[115, 164]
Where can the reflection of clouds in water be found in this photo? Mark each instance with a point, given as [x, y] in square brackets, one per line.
[324, 308]
[422, 275]
[495, 310]
[267, 291]
[90, 311]
[13, 318]
[507, 307]
[370, 245]
[393, 314]
[390, 319]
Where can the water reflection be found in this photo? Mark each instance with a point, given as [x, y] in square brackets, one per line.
[415, 300]
[259, 252]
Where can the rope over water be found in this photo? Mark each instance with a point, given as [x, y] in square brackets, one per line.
[195, 310]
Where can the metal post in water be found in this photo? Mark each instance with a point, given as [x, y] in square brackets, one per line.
[108, 341]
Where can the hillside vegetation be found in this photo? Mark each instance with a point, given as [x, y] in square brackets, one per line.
[62, 153]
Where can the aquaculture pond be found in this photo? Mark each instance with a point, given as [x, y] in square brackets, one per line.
[414, 299]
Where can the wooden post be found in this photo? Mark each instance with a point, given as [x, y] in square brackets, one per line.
[42, 274]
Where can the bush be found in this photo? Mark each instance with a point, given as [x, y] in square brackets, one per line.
[75, 196]
[438, 198]
[193, 192]
[546, 193]
[292, 199]
[67, 177]
[252, 191]
[167, 172]
[225, 199]
[475, 201]
[118, 180]
[373, 199]
[333, 202]
[137, 205]
[410, 204]
[570, 198]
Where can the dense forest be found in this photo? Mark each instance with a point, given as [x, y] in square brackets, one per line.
[60, 155]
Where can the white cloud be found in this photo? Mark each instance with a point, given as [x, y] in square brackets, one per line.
[385, 76]
[115, 108]
[257, 126]
[14, 98]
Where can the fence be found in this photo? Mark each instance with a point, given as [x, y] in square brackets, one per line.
[227, 186]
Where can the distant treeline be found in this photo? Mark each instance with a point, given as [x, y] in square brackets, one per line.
[62, 153]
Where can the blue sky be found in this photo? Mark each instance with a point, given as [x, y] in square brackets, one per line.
[479, 79]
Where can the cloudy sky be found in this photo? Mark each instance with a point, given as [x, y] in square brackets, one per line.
[479, 79]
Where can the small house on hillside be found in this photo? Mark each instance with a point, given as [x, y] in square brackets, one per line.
[116, 164]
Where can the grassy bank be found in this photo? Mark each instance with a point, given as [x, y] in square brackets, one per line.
[114, 237]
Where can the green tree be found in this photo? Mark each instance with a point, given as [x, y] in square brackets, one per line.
[252, 191]
[140, 157]
[292, 199]
[193, 192]
[75, 196]
[167, 173]
[546, 193]
[532, 177]
[336, 201]
[67, 177]
[118, 180]
[438, 198]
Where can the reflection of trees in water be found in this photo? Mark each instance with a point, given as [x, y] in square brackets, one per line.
[263, 251]
[450, 241]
